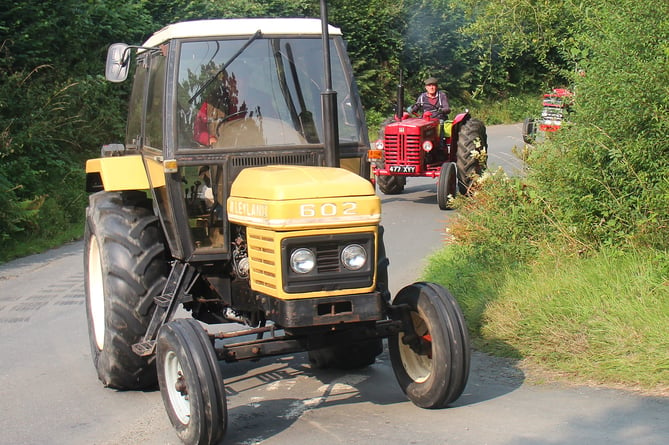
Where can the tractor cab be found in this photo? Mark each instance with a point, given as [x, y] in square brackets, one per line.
[224, 95]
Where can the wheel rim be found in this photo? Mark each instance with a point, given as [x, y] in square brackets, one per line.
[96, 294]
[417, 366]
[177, 390]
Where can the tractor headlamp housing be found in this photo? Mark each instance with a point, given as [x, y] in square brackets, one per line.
[328, 262]
[427, 146]
[302, 261]
[354, 257]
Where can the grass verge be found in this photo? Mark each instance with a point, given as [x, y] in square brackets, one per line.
[29, 245]
[598, 319]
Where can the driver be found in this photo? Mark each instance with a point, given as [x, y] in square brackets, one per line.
[433, 100]
[219, 105]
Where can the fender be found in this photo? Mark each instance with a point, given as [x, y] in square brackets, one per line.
[460, 117]
[450, 125]
[116, 173]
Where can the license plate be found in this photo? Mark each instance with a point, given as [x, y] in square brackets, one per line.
[402, 169]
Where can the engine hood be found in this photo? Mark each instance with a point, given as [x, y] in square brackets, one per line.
[298, 197]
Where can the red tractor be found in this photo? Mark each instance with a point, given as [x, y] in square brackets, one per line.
[454, 152]
[554, 109]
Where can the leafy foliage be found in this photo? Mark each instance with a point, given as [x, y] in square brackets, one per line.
[609, 170]
[169, 11]
[523, 44]
[56, 110]
[602, 179]
[374, 31]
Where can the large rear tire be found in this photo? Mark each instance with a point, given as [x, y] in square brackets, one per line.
[471, 159]
[391, 185]
[125, 267]
[432, 368]
[191, 383]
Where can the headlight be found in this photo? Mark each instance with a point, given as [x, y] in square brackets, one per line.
[302, 261]
[379, 144]
[427, 146]
[353, 257]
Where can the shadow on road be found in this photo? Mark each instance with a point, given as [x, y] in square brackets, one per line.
[419, 194]
[489, 378]
[266, 398]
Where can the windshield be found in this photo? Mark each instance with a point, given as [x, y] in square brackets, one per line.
[270, 95]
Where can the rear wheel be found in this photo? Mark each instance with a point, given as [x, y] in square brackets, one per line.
[431, 362]
[391, 185]
[191, 382]
[447, 185]
[125, 267]
[472, 153]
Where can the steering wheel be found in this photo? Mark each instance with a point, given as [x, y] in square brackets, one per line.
[223, 120]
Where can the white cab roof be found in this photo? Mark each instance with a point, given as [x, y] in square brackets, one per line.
[239, 27]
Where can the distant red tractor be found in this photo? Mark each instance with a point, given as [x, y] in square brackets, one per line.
[554, 109]
[416, 146]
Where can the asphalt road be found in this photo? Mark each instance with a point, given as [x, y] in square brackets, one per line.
[51, 395]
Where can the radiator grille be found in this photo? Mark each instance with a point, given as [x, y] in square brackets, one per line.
[277, 159]
[327, 258]
[402, 149]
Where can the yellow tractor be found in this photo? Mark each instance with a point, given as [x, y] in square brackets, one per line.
[242, 195]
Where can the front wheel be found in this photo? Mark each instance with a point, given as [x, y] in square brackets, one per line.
[431, 360]
[528, 130]
[447, 185]
[391, 185]
[191, 383]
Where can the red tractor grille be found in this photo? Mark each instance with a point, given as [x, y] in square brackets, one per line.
[402, 149]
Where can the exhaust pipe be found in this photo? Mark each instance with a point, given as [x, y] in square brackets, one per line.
[329, 99]
[400, 98]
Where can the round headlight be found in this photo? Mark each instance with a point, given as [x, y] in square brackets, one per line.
[353, 257]
[302, 261]
[379, 144]
[427, 146]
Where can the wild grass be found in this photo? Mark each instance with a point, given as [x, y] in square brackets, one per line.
[23, 245]
[602, 318]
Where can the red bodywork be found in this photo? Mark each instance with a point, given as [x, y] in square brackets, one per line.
[405, 147]
[553, 110]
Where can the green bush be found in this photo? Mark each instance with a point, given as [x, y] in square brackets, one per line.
[497, 111]
[608, 170]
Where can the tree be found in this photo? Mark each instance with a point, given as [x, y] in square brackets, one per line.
[373, 30]
[524, 44]
[56, 109]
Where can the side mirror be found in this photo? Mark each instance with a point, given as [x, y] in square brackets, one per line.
[118, 62]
